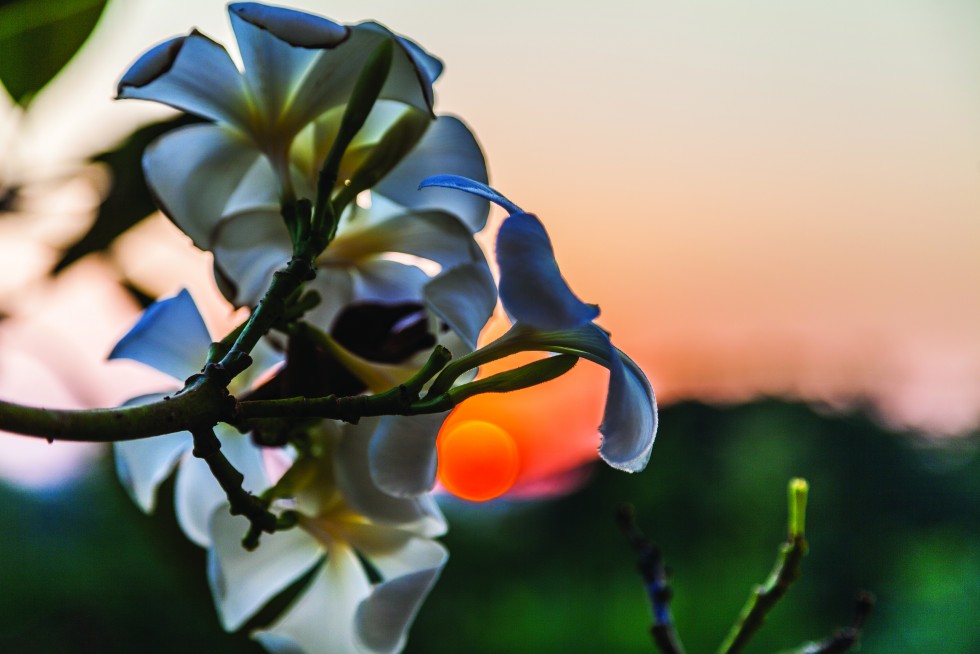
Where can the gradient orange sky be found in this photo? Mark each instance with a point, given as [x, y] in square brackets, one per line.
[764, 197]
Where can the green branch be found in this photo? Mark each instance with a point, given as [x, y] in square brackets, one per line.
[271, 309]
[202, 403]
[786, 571]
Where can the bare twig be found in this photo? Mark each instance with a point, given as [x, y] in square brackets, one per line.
[844, 638]
[651, 566]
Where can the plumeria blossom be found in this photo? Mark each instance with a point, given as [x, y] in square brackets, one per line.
[347, 605]
[272, 125]
[546, 316]
[171, 337]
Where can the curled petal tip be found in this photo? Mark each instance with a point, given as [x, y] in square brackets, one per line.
[297, 28]
[155, 62]
[629, 424]
[473, 187]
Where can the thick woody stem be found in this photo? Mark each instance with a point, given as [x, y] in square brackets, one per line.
[201, 403]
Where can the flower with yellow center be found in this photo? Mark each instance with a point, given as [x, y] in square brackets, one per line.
[371, 556]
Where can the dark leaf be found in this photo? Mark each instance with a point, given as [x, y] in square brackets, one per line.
[37, 39]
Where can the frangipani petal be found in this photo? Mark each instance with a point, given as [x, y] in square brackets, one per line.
[411, 77]
[336, 288]
[388, 282]
[321, 619]
[410, 570]
[196, 496]
[532, 288]
[464, 298]
[447, 146]
[471, 186]
[193, 171]
[431, 66]
[629, 423]
[433, 235]
[170, 336]
[278, 45]
[295, 28]
[143, 464]
[352, 470]
[249, 247]
[331, 77]
[192, 73]
[402, 454]
[242, 581]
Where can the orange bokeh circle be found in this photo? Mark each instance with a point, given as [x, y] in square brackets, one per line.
[478, 460]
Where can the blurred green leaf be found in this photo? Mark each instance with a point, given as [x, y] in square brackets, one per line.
[37, 39]
[129, 200]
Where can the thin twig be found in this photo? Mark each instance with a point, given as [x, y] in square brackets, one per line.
[844, 638]
[651, 566]
[208, 447]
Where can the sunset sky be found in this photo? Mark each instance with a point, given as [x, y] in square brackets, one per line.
[764, 197]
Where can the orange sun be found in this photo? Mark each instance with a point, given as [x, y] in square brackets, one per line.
[478, 460]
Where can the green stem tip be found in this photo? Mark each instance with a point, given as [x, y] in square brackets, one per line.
[798, 491]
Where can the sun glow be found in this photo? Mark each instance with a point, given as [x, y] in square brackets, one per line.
[478, 460]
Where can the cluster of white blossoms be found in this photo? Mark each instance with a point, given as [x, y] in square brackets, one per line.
[399, 277]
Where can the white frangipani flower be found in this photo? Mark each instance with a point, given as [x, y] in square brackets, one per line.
[171, 337]
[223, 182]
[343, 518]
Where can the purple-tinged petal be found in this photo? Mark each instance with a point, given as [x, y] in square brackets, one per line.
[447, 146]
[402, 454]
[471, 186]
[193, 171]
[532, 288]
[170, 336]
[242, 582]
[464, 298]
[191, 73]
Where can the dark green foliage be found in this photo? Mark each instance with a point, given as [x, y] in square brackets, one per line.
[38, 37]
